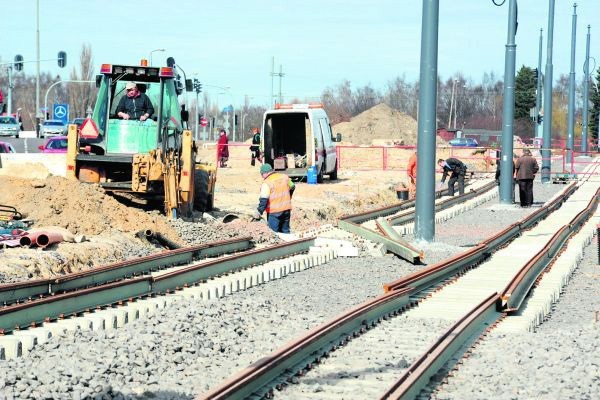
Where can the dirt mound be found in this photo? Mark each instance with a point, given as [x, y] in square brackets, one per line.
[379, 125]
[81, 208]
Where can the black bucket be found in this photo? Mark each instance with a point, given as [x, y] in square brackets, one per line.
[402, 194]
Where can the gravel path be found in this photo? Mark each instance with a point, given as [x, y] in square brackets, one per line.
[192, 346]
[558, 361]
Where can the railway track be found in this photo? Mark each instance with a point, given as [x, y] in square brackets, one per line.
[94, 292]
[460, 310]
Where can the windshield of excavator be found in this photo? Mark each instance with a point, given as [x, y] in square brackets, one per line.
[135, 136]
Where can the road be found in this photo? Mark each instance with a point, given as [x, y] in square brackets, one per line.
[27, 145]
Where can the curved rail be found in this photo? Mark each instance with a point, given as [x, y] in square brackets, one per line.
[293, 358]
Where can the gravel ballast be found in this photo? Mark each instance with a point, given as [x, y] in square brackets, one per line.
[191, 346]
[558, 361]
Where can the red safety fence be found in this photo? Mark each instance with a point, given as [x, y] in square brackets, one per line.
[395, 158]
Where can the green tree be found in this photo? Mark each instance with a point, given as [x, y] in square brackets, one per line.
[524, 92]
[595, 110]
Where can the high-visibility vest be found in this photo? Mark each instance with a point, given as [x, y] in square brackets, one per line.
[279, 193]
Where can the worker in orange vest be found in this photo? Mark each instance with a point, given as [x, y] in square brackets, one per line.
[411, 171]
[276, 199]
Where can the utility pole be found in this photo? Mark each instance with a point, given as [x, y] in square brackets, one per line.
[547, 134]
[586, 94]
[425, 198]
[272, 76]
[281, 74]
[508, 108]
[10, 88]
[451, 102]
[37, 75]
[538, 91]
[571, 107]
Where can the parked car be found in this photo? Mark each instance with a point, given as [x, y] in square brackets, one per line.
[9, 126]
[53, 127]
[6, 148]
[464, 142]
[56, 144]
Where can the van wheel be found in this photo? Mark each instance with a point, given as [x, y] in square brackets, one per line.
[320, 175]
[333, 174]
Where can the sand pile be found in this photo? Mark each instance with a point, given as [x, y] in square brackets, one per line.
[379, 125]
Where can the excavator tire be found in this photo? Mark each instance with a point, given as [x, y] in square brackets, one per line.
[203, 201]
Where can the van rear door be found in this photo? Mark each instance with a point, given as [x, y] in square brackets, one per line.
[329, 148]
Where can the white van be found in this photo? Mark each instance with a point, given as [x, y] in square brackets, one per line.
[297, 136]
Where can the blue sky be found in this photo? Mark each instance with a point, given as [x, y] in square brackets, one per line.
[318, 42]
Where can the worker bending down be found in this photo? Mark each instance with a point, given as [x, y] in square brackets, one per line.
[457, 170]
[276, 199]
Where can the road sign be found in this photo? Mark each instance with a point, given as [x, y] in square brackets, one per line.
[228, 109]
[61, 112]
[203, 121]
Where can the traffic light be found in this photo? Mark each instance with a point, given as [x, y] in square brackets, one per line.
[19, 62]
[535, 74]
[197, 86]
[62, 59]
[189, 85]
[540, 118]
[236, 118]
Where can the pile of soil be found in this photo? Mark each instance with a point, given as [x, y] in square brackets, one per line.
[81, 208]
[379, 125]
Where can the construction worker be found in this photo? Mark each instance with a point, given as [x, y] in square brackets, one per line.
[276, 199]
[411, 171]
[255, 147]
[457, 170]
[525, 169]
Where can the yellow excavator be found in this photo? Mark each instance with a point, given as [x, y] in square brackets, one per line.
[156, 158]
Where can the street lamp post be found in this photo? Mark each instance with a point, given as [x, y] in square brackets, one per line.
[153, 51]
[452, 102]
[56, 83]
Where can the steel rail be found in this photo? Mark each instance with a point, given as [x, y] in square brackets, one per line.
[436, 273]
[515, 292]
[408, 216]
[47, 308]
[199, 272]
[466, 329]
[142, 265]
[400, 247]
[12, 293]
[259, 378]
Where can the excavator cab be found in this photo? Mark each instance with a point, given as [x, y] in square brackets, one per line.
[154, 158]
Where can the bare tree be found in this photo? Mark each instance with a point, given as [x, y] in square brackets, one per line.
[82, 95]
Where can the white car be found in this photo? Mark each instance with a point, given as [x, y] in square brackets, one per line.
[53, 127]
[9, 126]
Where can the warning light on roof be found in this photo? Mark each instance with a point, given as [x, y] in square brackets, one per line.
[166, 72]
[106, 69]
[297, 106]
[144, 62]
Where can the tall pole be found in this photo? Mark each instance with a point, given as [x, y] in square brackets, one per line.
[538, 91]
[10, 87]
[455, 107]
[280, 76]
[586, 94]
[425, 197]
[547, 136]
[196, 122]
[37, 75]
[508, 108]
[272, 76]
[571, 107]
[451, 103]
